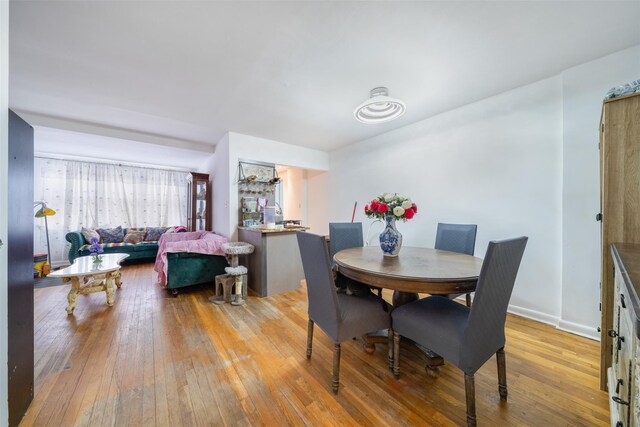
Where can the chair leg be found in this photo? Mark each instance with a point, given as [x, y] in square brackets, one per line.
[391, 353]
[335, 383]
[502, 374]
[309, 338]
[396, 354]
[468, 298]
[470, 392]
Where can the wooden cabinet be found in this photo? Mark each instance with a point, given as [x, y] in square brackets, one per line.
[199, 203]
[619, 199]
[623, 377]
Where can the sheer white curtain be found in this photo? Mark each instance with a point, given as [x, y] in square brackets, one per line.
[104, 195]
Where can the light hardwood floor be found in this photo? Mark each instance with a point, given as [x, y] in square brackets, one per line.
[152, 359]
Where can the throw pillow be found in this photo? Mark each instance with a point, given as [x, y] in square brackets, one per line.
[89, 233]
[134, 237]
[154, 233]
[111, 235]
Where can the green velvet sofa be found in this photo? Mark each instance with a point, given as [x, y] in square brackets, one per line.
[187, 269]
[80, 247]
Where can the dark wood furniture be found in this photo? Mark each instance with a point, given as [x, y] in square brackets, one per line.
[199, 203]
[623, 377]
[619, 199]
[19, 248]
[413, 271]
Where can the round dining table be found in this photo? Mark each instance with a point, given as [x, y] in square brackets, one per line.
[414, 270]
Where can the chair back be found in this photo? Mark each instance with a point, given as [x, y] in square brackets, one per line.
[344, 235]
[321, 290]
[484, 334]
[459, 238]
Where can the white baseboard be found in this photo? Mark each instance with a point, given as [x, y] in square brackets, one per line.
[563, 325]
[534, 315]
[579, 329]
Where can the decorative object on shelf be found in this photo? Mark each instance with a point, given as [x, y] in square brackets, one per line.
[379, 108]
[391, 207]
[44, 212]
[256, 187]
[96, 250]
[625, 89]
[202, 193]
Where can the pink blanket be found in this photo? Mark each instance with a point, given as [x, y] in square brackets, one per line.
[199, 242]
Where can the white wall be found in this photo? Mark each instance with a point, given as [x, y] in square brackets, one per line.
[318, 201]
[4, 203]
[583, 89]
[496, 163]
[235, 147]
[294, 194]
[220, 176]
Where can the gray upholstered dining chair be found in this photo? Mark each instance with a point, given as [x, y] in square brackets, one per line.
[467, 337]
[344, 235]
[340, 316]
[459, 238]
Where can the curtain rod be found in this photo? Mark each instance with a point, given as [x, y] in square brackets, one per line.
[95, 161]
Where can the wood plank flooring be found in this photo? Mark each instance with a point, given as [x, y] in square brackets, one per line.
[153, 359]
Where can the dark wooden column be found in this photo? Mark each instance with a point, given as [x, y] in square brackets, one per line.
[20, 267]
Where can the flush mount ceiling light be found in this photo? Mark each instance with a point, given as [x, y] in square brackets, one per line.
[379, 108]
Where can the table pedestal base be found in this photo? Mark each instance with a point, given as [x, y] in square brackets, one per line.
[369, 341]
[97, 283]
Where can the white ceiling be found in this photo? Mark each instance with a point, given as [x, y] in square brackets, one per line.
[290, 71]
[49, 142]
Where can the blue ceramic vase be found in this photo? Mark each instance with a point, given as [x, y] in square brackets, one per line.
[390, 238]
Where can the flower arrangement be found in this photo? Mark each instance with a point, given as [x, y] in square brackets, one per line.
[96, 250]
[394, 205]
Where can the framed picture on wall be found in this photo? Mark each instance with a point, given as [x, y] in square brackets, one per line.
[261, 172]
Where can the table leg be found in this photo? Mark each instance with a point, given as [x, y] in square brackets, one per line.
[109, 289]
[73, 294]
[118, 279]
[402, 298]
[434, 361]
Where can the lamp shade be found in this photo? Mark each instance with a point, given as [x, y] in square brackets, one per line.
[44, 211]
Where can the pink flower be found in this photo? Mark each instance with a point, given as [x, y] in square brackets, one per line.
[409, 213]
[383, 208]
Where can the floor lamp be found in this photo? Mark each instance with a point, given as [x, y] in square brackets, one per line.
[44, 212]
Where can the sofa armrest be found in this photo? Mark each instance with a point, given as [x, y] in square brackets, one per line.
[77, 241]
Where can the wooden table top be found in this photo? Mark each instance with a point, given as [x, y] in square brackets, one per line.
[422, 270]
[84, 266]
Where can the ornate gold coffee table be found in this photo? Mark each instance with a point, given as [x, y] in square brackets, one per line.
[87, 277]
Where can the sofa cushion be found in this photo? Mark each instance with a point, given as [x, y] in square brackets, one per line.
[154, 233]
[134, 237]
[111, 235]
[89, 233]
